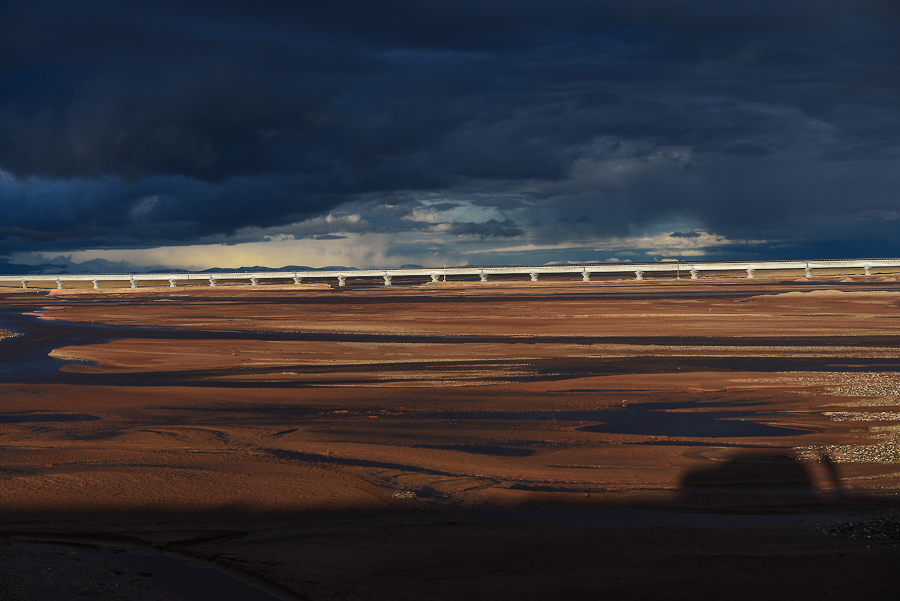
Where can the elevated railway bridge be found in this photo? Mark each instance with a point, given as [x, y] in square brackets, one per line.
[693, 270]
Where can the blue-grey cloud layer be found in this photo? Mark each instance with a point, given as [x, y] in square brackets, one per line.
[128, 124]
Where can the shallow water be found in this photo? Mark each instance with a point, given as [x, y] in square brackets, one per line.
[644, 419]
[482, 449]
[25, 357]
[707, 424]
[18, 418]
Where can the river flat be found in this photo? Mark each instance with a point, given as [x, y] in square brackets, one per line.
[500, 439]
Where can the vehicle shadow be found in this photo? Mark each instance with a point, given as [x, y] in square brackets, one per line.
[760, 479]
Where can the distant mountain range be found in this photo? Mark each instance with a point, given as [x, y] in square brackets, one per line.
[65, 266]
[259, 269]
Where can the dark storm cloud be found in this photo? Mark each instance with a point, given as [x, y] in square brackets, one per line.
[110, 212]
[485, 229]
[132, 123]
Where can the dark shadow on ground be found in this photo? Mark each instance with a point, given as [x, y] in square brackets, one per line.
[757, 525]
[749, 477]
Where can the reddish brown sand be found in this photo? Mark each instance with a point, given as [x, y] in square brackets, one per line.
[668, 439]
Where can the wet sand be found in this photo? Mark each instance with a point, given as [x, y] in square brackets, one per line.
[658, 439]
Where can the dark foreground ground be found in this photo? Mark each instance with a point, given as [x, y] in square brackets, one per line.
[634, 440]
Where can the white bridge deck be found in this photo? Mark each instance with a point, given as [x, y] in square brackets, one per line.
[693, 269]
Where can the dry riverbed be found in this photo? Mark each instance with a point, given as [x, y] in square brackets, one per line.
[668, 439]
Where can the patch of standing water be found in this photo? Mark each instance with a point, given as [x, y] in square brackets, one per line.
[707, 424]
[26, 357]
[644, 419]
[19, 418]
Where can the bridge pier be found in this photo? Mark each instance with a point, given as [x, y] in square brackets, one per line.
[341, 280]
[96, 284]
[133, 282]
[534, 276]
[59, 284]
[483, 276]
[585, 276]
[172, 283]
[254, 281]
[808, 272]
[387, 280]
[868, 269]
[297, 279]
[638, 275]
[435, 277]
[24, 283]
[750, 271]
[212, 281]
[695, 274]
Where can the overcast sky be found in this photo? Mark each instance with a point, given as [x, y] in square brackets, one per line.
[192, 134]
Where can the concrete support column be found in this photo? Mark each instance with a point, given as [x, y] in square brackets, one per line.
[387, 280]
[808, 272]
[483, 276]
[297, 279]
[694, 274]
[639, 275]
[868, 269]
[750, 271]
[435, 277]
[534, 276]
[585, 276]
[96, 284]
[24, 283]
[171, 282]
[212, 281]
[254, 281]
[59, 284]
[341, 280]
